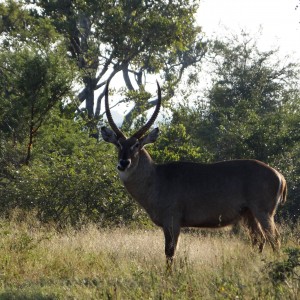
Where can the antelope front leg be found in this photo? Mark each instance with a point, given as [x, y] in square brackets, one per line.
[171, 233]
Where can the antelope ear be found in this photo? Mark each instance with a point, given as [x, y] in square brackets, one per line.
[150, 138]
[109, 136]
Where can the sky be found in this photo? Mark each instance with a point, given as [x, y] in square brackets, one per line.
[278, 20]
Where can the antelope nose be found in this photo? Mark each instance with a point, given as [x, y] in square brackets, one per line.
[123, 164]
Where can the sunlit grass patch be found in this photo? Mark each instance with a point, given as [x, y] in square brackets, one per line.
[40, 262]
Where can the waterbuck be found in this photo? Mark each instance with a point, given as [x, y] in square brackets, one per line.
[187, 194]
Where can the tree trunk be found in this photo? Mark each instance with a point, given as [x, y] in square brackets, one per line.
[89, 91]
[31, 133]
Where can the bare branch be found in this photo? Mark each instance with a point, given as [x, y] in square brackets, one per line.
[126, 78]
[100, 97]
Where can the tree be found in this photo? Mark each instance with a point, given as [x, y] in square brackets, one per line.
[247, 103]
[35, 74]
[133, 37]
[34, 82]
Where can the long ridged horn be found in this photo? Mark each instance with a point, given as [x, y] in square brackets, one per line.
[146, 127]
[110, 120]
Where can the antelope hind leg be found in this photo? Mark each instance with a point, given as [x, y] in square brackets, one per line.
[269, 228]
[255, 231]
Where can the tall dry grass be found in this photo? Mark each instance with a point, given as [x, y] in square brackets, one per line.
[38, 262]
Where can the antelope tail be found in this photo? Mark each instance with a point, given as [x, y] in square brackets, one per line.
[283, 193]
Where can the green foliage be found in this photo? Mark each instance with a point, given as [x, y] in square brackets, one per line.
[175, 144]
[20, 25]
[250, 101]
[34, 80]
[280, 272]
[285, 274]
[71, 180]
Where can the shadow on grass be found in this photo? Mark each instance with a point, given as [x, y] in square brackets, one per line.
[17, 295]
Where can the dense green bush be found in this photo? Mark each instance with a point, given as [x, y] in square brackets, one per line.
[71, 180]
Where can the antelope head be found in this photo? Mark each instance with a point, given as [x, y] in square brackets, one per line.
[129, 148]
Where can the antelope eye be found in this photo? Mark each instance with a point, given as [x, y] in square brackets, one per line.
[135, 146]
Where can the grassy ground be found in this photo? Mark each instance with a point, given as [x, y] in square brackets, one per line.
[37, 262]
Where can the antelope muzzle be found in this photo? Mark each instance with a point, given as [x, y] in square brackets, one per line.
[123, 164]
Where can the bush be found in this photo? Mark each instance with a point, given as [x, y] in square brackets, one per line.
[71, 180]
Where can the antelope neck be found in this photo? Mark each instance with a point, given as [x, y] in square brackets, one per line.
[139, 181]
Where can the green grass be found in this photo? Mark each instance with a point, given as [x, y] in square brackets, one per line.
[38, 262]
